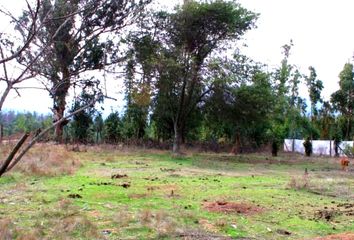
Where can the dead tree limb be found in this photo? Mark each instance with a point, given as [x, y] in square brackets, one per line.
[13, 153]
[41, 134]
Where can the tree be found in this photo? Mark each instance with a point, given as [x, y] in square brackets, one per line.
[140, 56]
[98, 126]
[242, 112]
[12, 47]
[112, 128]
[187, 39]
[81, 122]
[315, 87]
[72, 42]
[326, 122]
[289, 115]
[343, 99]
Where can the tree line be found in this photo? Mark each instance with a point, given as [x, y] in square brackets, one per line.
[185, 78]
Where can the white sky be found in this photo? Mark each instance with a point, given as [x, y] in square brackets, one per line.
[322, 32]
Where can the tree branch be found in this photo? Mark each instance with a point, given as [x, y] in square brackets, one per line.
[41, 134]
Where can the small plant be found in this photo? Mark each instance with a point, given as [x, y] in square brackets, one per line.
[298, 183]
[348, 150]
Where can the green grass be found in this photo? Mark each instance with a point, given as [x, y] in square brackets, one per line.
[166, 194]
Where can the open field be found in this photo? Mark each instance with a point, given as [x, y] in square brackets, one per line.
[105, 193]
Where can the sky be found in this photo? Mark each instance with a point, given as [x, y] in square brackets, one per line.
[321, 30]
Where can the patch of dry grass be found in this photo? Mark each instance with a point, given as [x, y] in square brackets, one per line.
[6, 232]
[299, 182]
[48, 160]
[160, 221]
[9, 231]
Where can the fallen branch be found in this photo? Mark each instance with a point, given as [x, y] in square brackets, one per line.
[13, 153]
[42, 133]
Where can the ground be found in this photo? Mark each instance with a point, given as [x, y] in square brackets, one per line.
[109, 193]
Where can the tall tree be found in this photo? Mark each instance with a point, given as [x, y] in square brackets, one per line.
[315, 87]
[75, 38]
[188, 37]
[343, 99]
[140, 70]
[327, 119]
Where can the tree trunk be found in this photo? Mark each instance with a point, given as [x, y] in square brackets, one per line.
[176, 139]
[60, 90]
[348, 129]
[59, 110]
[237, 147]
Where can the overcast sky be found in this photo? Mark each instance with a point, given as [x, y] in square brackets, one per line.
[321, 30]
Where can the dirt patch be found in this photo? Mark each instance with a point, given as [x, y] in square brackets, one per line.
[341, 236]
[232, 207]
[346, 209]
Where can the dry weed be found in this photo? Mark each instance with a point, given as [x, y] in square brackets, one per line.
[301, 182]
[9, 231]
[160, 221]
[6, 232]
[79, 224]
[145, 216]
[123, 218]
[45, 160]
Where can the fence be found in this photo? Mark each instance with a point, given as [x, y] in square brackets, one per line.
[319, 147]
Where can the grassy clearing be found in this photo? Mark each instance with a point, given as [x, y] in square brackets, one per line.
[86, 195]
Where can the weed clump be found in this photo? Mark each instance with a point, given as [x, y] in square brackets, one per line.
[160, 221]
[298, 183]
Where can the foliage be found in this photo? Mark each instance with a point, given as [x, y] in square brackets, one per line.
[343, 99]
[315, 87]
[112, 128]
[98, 127]
[348, 150]
[14, 122]
[80, 125]
[70, 42]
[188, 36]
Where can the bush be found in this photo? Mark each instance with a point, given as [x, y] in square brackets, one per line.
[348, 150]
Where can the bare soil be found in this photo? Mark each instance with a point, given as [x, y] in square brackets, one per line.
[341, 236]
[232, 207]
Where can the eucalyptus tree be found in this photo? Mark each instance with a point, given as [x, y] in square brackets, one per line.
[139, 76]
[77, 37]
[343, 99]
[188, 38]
[289, 109]
[315, 87]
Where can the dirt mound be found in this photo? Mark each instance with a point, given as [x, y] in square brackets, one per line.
[341, 236]
[232, 207]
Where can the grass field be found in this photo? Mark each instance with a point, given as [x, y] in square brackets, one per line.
[105, 193]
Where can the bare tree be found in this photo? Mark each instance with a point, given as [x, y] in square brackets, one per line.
[11, 48]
